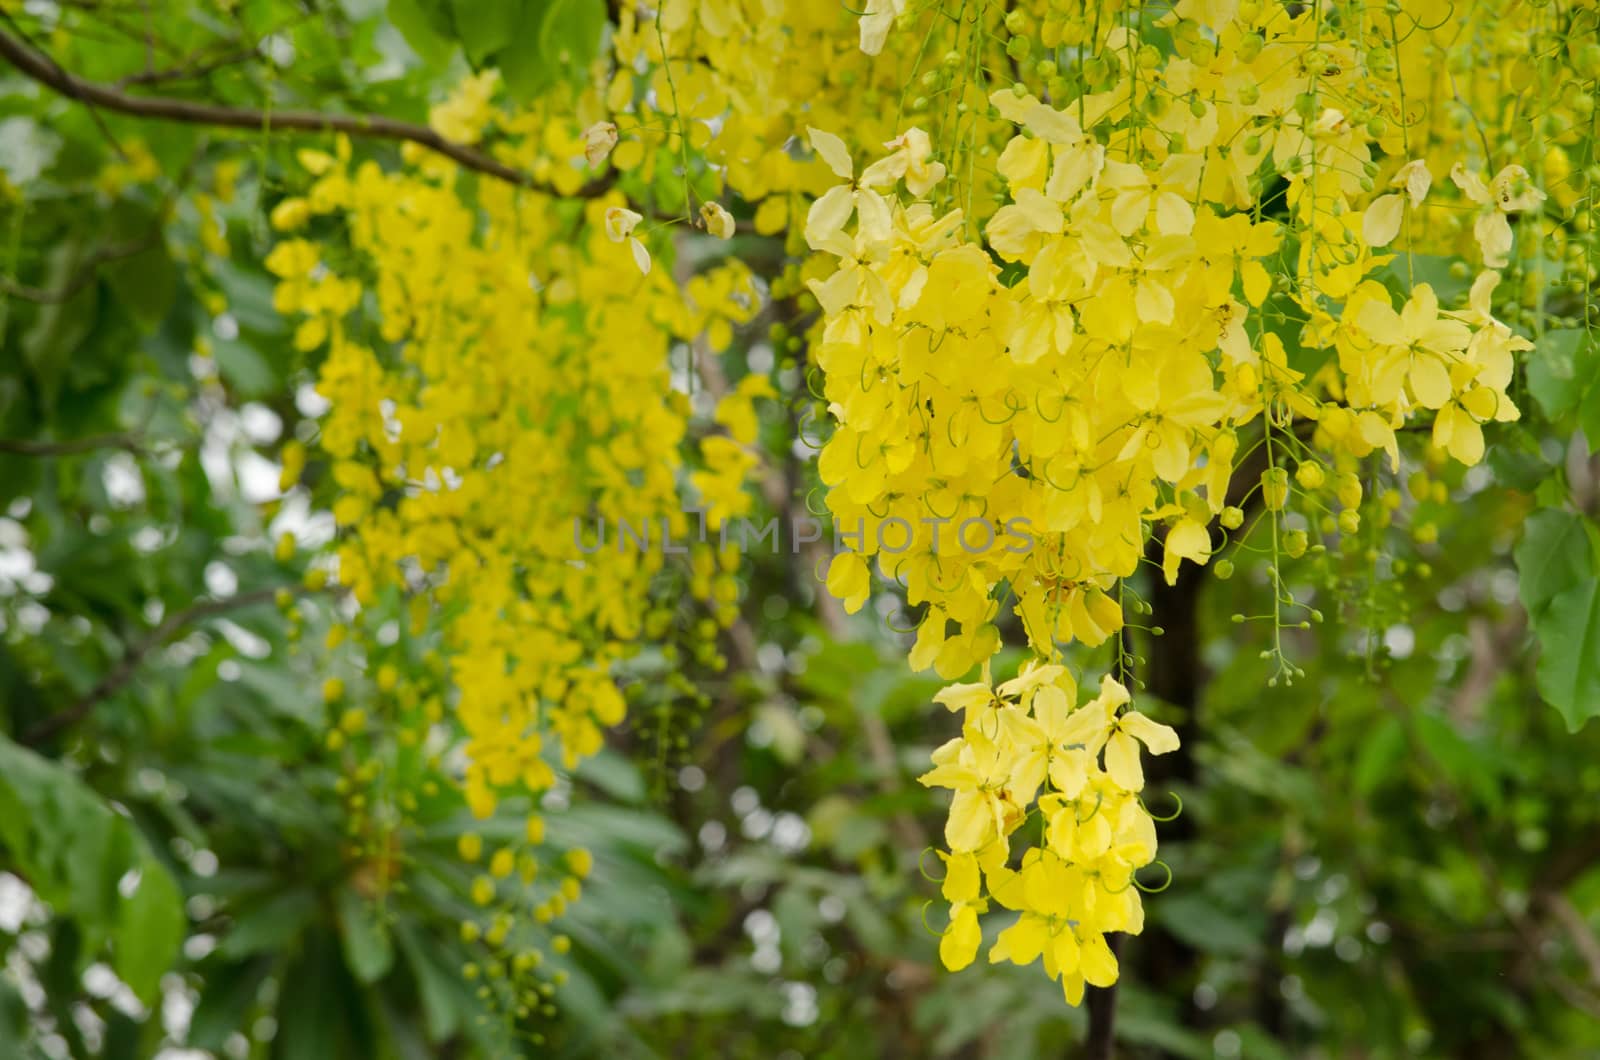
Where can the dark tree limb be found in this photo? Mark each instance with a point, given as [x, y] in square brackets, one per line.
[128, 666]
[28, 447]
[84, 275]
[41, 68]
[1101, 1001]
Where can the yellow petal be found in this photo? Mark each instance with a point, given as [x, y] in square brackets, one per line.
[1430, 381]
[960, 878]
[1493, 233]
[832, 151]
[1022, 942]
[828, 215]
[1065, 949]
[641, 256]
[961, 939]
[1098, 963]
[849, 580]
[1256, 282]
[1158, 738]
[1122, 762]
[1381, 223]
[1187, 539]
[1174, 215]
[1415, 179]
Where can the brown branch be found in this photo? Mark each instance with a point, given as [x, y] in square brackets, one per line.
[128, 666]
[191, 71]
[83, 276]
[28, 447]
[41, 68]
[1102, 1005]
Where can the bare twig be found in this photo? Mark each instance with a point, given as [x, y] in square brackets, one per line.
[190, 71]
[83, 276]
[29, 447]
[128, 666]
[1102, 1005]
[41, 68]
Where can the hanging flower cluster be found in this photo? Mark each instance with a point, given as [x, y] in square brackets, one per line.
[1091, 376]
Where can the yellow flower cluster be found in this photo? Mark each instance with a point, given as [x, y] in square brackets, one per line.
[507, 386]
[1091, 374]
[1078, 884]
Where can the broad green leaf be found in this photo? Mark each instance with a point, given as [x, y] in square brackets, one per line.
[1555, 553]
[1554, 377]
[1409, 270]
[615, 775]
[1569, 646]
[312, 1015]
[523, 63]
[244, 369]
[60, 327]
[367, 949]
[567, 34]
[145, 284]
[427, 27]
[1589, 408]
[228, 993]
[91, 865]
[1203, 924]
[270, 925]
[1380, 750]
[485, 28]
[1467, 764]
[444, 1006]
[150, 926]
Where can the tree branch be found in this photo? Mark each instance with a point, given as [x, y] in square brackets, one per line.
[81, 278]
[128, 666]
[28, 447]
[1102, 1005]
[41, 68]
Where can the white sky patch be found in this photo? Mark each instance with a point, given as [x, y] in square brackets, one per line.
[261, 425]
[123, 481]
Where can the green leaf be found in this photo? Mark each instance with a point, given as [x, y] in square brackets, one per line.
[1434, 270]
[444, 1005]
[60, 328]
[146, 284]
[1468, 764]
[92, 865]
[1569, 661]
[1381, 749]
[485, 28]
[1589, 409]
[615, 775]
[150, 926]
[427, 27]
[228, 993]
[367, 949]
[567, 36]
[1205, 925]
[1555, 553]
[271, 925]
[1554, 377]
[244, 369]
[311, 1012]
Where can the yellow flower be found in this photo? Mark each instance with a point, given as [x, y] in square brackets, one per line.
[718, 221]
